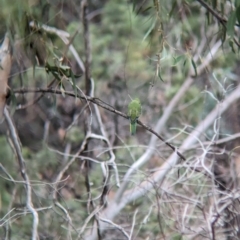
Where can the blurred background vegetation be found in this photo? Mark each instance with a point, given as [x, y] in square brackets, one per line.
[142, 49]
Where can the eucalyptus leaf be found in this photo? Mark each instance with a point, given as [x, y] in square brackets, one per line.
[231, 44]
[173, 8]
[194, 66]
[13, 102]
[144, 11]
[160, 77]
[178, 59]
[149, 30]
[238, 14]
[231, 23]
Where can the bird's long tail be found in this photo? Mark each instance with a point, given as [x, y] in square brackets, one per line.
[133, 127]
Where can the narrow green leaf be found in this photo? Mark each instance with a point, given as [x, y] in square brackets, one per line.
[160, 77]
[143, 11]
[63, 67]
[231, 23]
[209, 18]
[238, 14]
[185, 61]
[134, 5]
[186, 64]
[172, 9]
[56, 76]
[222, 7]
[149, 30]
[194, 66]
[13, 102]
[178, 59]
[77, 76]
[222, 33]
[74, 83]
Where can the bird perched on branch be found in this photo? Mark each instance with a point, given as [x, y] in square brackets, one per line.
[134, 111]
[5, 68]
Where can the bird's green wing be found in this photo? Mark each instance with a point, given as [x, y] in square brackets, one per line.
[134, 111]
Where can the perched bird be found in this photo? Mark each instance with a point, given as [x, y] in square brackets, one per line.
[5, 68]
[134, 111]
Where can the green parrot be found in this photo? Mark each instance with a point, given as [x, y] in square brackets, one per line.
[134, 111]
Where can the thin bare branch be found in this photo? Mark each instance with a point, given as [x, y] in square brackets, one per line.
[17, 148]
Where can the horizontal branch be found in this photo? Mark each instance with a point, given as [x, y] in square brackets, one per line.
[101, 104]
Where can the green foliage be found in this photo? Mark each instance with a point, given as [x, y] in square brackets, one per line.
[114, 52]
[75, 135]
[45, 159]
